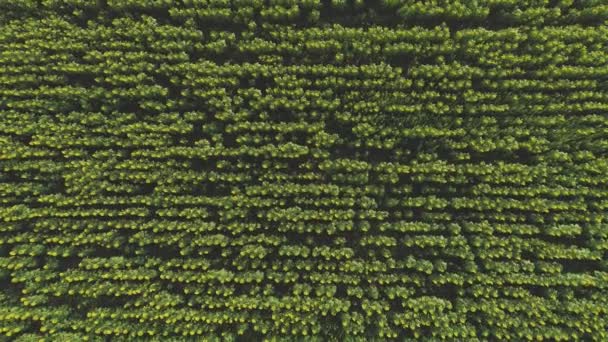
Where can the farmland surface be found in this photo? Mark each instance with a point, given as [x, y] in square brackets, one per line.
[306, 170]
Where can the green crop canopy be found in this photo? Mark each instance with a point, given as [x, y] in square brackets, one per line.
[303, 170]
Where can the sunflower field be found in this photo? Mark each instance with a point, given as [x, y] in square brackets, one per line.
[303, 170]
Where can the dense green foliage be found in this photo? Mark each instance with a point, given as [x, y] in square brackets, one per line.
[177, 170]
